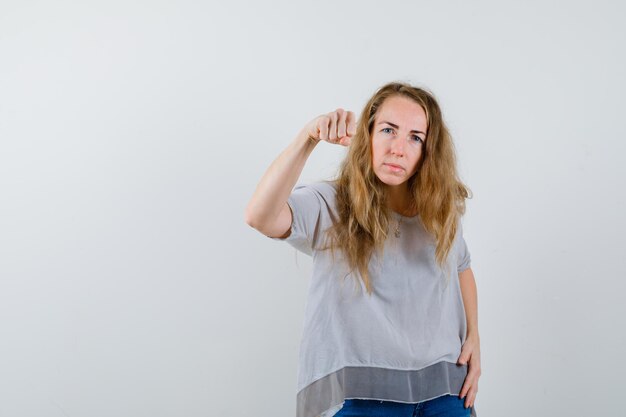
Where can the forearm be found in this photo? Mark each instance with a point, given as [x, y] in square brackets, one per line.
[470, 300]
[276, 185]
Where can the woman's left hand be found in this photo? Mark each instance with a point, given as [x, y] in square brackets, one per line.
[470, 354]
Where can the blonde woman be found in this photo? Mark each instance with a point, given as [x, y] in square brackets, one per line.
[404, 341]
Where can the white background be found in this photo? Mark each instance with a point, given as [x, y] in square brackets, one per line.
[132, 135]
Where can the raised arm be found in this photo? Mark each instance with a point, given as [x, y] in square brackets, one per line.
[268, 211]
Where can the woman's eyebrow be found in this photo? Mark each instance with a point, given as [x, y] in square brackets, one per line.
[396, 126]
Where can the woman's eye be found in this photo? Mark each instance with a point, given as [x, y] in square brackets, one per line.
[415, 137]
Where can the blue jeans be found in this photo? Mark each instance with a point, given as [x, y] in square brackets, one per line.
[443, 406]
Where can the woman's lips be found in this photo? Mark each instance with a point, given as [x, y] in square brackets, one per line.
[394, 167]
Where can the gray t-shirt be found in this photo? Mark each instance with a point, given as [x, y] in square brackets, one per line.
[399, 344]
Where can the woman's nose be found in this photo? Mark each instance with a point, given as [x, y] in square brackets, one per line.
[397, 146]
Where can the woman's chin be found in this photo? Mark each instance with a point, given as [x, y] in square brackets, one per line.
[389, 180]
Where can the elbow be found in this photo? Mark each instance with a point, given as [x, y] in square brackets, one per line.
[248, 218]
[251, 219]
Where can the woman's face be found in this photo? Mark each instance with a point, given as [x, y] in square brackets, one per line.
[398, 138]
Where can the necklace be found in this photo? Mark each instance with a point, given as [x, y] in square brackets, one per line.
[397, 231]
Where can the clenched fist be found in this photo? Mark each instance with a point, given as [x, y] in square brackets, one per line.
[335, 127]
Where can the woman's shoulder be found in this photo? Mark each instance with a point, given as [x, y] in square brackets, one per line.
[324, 192]
[327, 186]
[327, 189]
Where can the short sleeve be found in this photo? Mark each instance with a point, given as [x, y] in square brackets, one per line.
[306, 206]
[463, 254]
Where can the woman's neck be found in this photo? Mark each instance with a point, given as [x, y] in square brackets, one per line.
[399, 200]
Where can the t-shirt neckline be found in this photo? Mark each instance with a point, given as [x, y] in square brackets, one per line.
[404, 218]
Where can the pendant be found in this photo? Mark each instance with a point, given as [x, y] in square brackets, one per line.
[397, 231]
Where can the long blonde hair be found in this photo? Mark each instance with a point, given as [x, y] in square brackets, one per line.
[361, 199]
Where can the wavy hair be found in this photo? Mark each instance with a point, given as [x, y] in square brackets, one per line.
[438, 195]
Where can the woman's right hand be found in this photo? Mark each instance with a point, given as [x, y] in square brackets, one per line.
[335, 127]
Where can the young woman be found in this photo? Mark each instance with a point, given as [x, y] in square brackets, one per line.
[404, 342]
